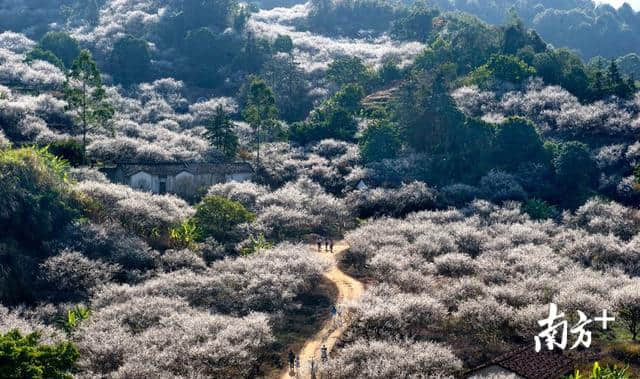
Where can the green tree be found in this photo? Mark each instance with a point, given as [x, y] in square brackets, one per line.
[574, 167]
[36, 205]
[24, 357]
[348, 70]
[35, 200]
[428, 117]
[260, 111]
[86, 96]
[507, 68]
[220, 133]
[516, 142]
[417, 25]
[349, 98]
[62, 45]
[381, 140]
[44, 55]
[219, 217]
[130, 60]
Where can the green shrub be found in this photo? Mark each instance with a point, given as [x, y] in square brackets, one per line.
[539, 209]
[24, 357]
[184, 235]
[219, 217]
[71, 320]
[62, 45]
[598, 372]
[35, 199]
[68, 149]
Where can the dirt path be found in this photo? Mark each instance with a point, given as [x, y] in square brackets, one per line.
[348, 289]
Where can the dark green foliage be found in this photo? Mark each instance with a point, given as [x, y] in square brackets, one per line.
[349, 98]
[85, 95]
[507, 68]
[215, 13]
[288, 83]
[333, 119]
[260, 110]
[130, 60]
[35, 202]
[629, 65]
[24, 357]
[416, 25]
[517, 142]
[539, 209]
[44, 55]
[389, 72]
[220, 133]
[68, 149]
[349, 18]
[574, 167]
[61, 45]
[219, 217]
[348, 70]
[206, 52]
[429, 118]
[35, 207]
[381, 140]
[329, 122]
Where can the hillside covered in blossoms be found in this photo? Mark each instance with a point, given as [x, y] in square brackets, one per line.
[331, 189]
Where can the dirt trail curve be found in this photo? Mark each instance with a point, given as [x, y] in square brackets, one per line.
[348, 289]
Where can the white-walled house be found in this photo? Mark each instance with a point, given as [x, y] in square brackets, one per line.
[184, 179]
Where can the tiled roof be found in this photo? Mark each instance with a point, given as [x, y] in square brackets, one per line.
[531, 365]
[194, 168]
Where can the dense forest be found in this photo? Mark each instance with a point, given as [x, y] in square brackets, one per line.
[472, 161]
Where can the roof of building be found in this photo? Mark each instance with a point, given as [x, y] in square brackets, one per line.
[174, 168]
[531, 365]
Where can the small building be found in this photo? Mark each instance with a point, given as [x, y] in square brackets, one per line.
[525, 363]
[184, 179]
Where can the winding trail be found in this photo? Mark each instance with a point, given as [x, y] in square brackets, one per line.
[348, 289]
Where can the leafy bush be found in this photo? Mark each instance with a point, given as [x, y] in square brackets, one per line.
[68, 149]
[62, 46]
[24, 357]
[35, 199]
[219, 217]
[539, 209]
[598, 372]
[381, 140]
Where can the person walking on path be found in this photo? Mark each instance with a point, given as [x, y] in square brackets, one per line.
[323, 354]
[312, 365]
[331, 245]
[292, 359]
[297, 366]
[319, 244]
[326, 244]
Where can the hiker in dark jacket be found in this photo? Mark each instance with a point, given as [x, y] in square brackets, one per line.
[292, 359]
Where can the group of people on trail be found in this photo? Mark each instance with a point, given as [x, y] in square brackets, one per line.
[294, 362]
[328, 244]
